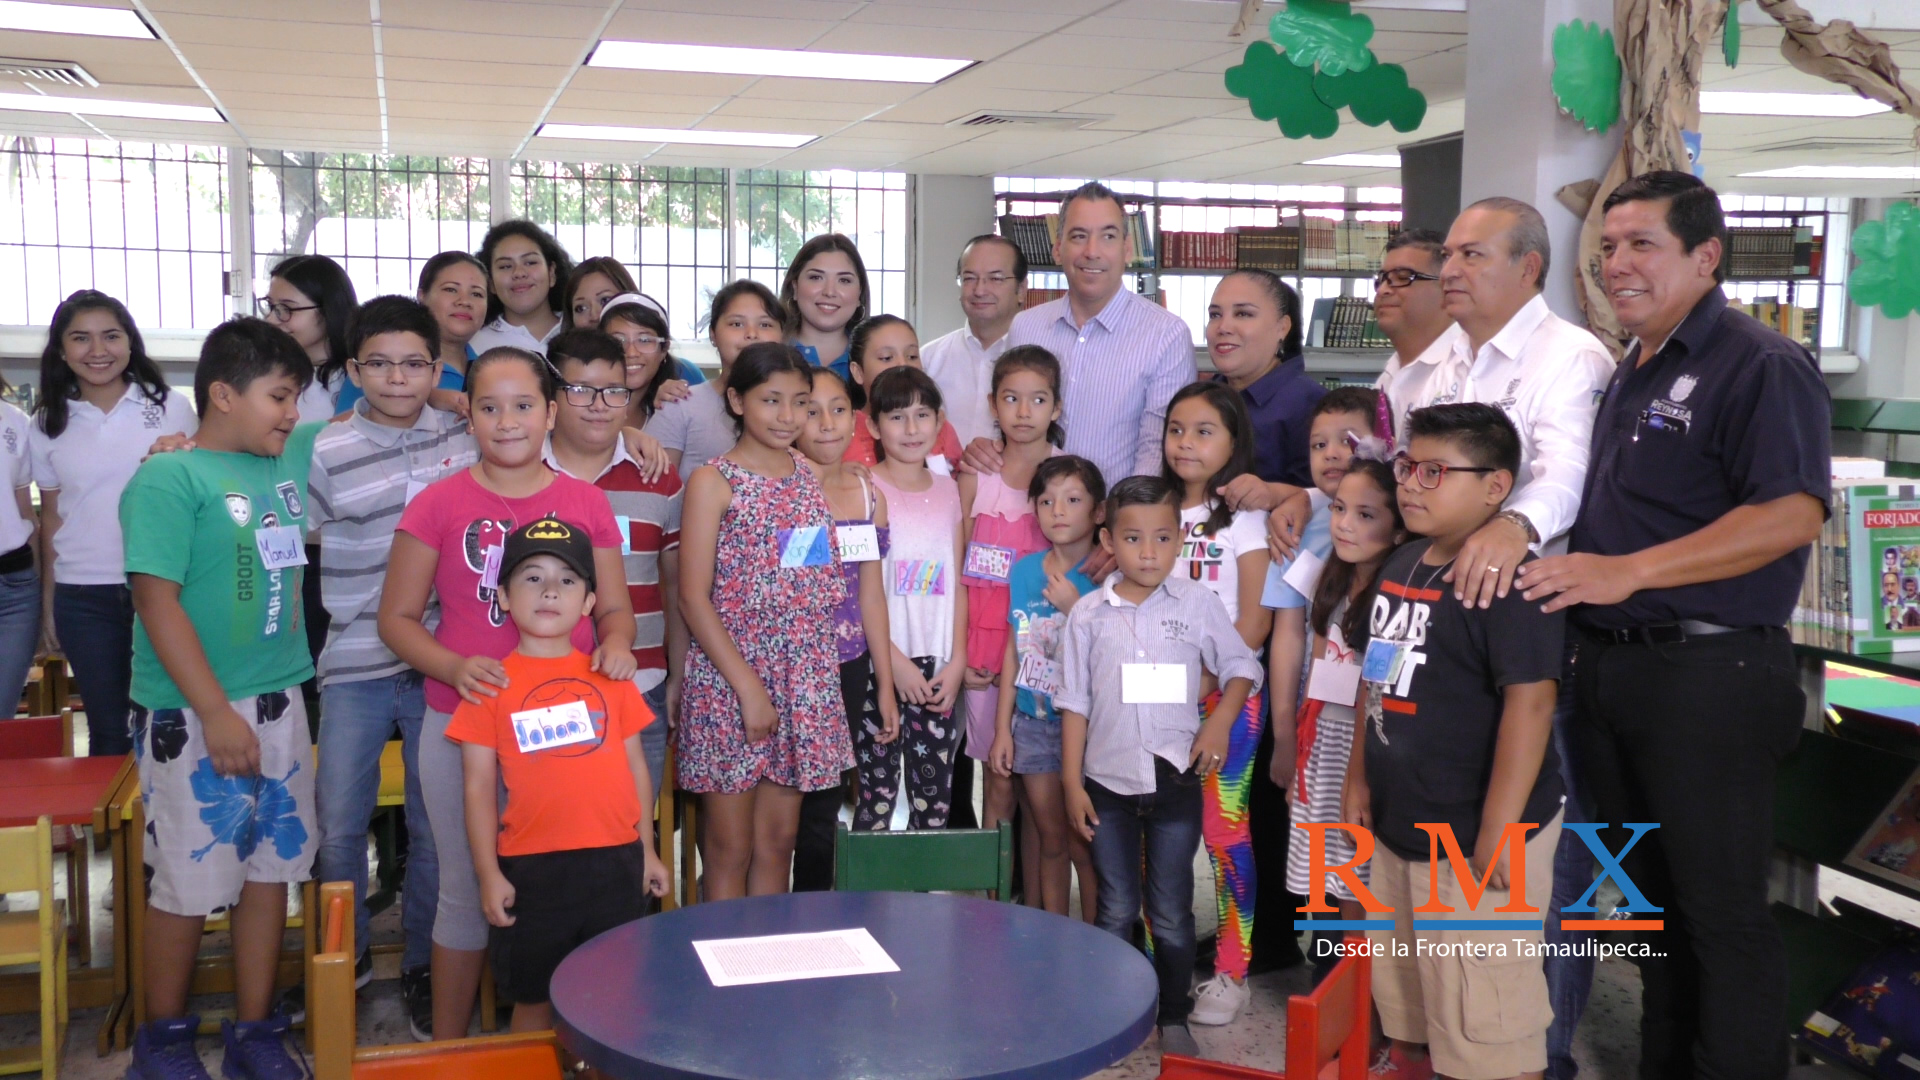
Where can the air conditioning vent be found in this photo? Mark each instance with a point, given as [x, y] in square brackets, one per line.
[1014, 118]
[59, 72]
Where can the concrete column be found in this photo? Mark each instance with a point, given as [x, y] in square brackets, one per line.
[1517, 143]
[947, 212]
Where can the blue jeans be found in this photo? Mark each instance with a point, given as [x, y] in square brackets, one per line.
[19, 630]
[95, 627]
[1569, 978]
[653, 740]
[357, 720]
[1167, 823]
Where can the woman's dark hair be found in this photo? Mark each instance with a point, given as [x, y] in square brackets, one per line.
[810, 251]
[756, 364]
[322, 281]
[1233, 413]
[734, 290]
[1037, 359]
[599, 264]
[648, 319]
[506, 354]
[550, 250]
[1288, 301]
[857, 350]
[1336, 581]
[58, 383]
[430, 273]
[244, 349]
[1061, 466]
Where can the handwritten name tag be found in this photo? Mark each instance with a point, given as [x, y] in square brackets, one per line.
[280, 546]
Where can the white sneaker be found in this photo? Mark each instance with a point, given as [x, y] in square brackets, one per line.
[1217, 1001]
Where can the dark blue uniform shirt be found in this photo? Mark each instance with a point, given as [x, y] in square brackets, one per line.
[1280, 403]
[1728, 413]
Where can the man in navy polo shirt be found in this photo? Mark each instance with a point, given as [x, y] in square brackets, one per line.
[1709, 478]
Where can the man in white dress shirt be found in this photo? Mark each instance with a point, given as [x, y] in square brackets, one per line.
[1412, 312]
[993, 289]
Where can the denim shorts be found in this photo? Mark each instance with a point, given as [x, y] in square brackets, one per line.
[1036, 744]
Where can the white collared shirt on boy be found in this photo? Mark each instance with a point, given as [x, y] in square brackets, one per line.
[89, 465]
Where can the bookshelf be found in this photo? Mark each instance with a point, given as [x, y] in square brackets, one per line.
[1775, 263]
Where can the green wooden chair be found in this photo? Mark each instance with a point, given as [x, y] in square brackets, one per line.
[1855, 414]
[925, 860]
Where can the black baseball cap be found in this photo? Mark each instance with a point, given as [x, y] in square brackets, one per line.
[549, 536]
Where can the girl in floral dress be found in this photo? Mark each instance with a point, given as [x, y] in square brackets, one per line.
[760, 579]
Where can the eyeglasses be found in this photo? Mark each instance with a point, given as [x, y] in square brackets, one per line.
[968, 281]
[280, 310]
[1400, 277]
[644, 342]
[1430, 473]
[380, 369]
[581, 397]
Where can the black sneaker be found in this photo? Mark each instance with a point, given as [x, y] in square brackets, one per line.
[416, 989]
[293, 1000]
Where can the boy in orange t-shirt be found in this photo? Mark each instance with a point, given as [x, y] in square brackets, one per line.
[574, 851]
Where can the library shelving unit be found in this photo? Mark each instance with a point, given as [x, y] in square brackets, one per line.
[1774, 261]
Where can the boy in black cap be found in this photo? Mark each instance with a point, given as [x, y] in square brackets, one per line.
[572, 856]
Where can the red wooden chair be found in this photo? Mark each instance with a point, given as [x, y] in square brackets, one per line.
[45, 737]
[1327, 1034]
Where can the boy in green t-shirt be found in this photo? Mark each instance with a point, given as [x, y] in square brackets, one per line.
[215, 557]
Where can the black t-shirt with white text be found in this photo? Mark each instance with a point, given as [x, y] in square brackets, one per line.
[1431, 729]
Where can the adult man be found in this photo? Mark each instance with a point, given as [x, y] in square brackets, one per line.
[1412, 312]
[1122, 356]
[993, 288]
[1710, 477]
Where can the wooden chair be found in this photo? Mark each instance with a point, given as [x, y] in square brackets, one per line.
[331, 1019]
[38, 938]
[49, 687]
[925, 860]
[1327, 1033]
[52, 736]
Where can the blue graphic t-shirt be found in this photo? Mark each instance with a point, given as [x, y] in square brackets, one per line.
[1035, 623]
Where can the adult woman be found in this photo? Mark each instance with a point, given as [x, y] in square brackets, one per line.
[824, 293]
[103, 402]
[311, 297]
[1253, 339]
[526, 269]
[453, 285]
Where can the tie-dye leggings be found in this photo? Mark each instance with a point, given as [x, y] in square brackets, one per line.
[1223, 825]
[926, 747]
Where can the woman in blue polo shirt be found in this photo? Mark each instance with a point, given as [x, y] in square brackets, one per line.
[825, 293]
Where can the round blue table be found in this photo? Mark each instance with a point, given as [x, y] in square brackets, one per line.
[984, 990]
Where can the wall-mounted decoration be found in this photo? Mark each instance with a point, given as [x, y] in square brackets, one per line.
[1887, 275]
[1586, 73]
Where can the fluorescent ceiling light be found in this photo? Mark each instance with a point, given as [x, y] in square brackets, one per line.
[673, 135]
[1842, 172]
[73, 19]
[790, 63]
[1758, 104]
[1359, 161]
[139, 110]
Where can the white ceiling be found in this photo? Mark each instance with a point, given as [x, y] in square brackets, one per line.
[477, 77]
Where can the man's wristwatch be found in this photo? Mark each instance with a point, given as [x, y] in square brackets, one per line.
[1520, 519]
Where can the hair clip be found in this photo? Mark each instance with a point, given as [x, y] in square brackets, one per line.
[1369, 447]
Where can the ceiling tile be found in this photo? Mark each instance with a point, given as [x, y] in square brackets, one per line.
[481, 48]
[700, 28]
[643, 83]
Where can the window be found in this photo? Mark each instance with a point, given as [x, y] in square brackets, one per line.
[778, 211]
[380, 216]
[1829, 294]
[140, 221]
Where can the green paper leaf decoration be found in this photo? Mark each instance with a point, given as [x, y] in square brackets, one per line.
[1730, 35]
[1586, 73]
[1377, 95]
[1276, 90]
[1323, 32]
[1888, 273]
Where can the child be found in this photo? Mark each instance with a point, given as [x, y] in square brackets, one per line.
[219, 653]
[1207, 445]
[1135, 750]
[1001, 529]
[697, 428]
[1067, 493]
[926, 609]
[1366, 527]
[574, 840]
[1459, 706]
[763, 721]
[449, 545]
[526, 271]
[824, 292]
[860, 530]
[453, 286]
[364, 472]
[880, 344]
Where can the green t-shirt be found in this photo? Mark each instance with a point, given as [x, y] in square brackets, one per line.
[218, 523]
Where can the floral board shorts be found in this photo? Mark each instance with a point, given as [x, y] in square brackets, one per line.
[207, 834]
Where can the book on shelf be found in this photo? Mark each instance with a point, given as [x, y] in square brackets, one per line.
[1036, 297]
[1029, 233]
[1198, 251]
[1861, 593]
[1267, 248]
[1802, 324]
[1344, 322]
[1773, 251]
[1143, 239]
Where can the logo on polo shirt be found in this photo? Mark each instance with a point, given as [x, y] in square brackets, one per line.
[151, 415]
[1682, 386]
[239, 508]
[290, 495]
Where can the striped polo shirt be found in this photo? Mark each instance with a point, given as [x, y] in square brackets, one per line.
[362, 478]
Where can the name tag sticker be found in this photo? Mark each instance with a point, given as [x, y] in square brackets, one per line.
[280, 546]
[490, 570]
[858, 543]
[1381, 660]
[1304, 572]
[1038, 674]
[1334, 682]
[989, 561]
[938, 465]
[553, 726]
[1154, 684]
[414, 488]
[805, 546]
[919, 577]
[625, 524]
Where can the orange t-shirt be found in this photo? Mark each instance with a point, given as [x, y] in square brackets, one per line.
[572, 795]
[860, 447]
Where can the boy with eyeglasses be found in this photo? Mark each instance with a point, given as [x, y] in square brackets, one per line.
[1459, 719]
[585, 444]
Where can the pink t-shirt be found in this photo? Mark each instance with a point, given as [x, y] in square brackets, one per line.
[460, 519]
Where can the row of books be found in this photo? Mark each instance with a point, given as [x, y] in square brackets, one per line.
[1345, 322]
[1861, 593]
[1770, 251]
[1802, 324]
[1250, 247]
[1036, 234]
[1343, 245]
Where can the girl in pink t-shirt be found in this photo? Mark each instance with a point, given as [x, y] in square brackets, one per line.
[448, 544]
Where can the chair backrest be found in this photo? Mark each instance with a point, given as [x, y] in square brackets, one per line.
[1854, 414]
[330, 997]
[26, 861]
[1333, 1021]
[925, 860]
[37, 736]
